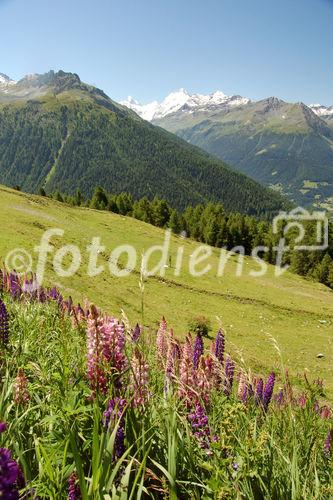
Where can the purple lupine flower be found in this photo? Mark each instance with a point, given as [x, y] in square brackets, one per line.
[74, 492]
[197, 351]
[113, 416]
[4, 326]
[220, 346]
[259, 391]
[328, 442]
[136, 333]
[9, 476]
[246, 393]
[15, 289]
[3, 427]
[268, 391]
[55, 295]
[199, 422]
[229, 376]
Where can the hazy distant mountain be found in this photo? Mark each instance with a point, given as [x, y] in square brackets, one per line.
[286, 146]
[59, 133]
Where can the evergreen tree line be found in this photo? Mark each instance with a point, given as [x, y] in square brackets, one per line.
[211, 224]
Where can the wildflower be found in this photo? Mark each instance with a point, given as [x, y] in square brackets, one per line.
[220, 346]
[9, 476]
[268, 390]
[229, 376]
[139, 380]
[328, 442]
[325, 412]
[199, 422]
[279, 397]
[4, 327]
[186, 377]
[3, 427]
[136, 333]
[161, 339]
[204, 378]
[113, 339]
[259, 391]
[21, 393]
[198, 350]
[14, 286]
[115, 411]
[242, 387]
[302, 400]
[172, 359]
[95, 358]
[74, 492]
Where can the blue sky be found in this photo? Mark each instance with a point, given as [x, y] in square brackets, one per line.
[147, 48]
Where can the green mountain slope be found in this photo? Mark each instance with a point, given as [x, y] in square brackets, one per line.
[59, 133]
[296, 312]
[285, 146]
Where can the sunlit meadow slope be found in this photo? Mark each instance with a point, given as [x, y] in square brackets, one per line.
[297, 313]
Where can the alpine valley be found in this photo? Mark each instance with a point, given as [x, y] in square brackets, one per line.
[58, 133]
[286, 146]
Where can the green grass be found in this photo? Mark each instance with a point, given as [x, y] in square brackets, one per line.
[58, 429]
[295, 312]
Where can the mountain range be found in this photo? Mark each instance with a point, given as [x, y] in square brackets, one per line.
[58, 133]
[287, 146]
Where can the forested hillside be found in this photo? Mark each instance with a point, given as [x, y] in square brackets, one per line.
[60, 134]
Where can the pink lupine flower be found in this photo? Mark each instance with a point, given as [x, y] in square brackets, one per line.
[105, 344]
[204, 378]
[114, 338]
[139, 380]
[186, 375]
[325, 412]
[161, 340]
[21, 393]
[95, 360]
[173, 357]
[302, 400]
[242, 383]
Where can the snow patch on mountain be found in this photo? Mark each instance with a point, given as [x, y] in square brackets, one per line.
[321, 110]
[181, 100]
[5, 82]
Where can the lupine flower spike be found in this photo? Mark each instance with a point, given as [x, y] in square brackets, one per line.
[229, 376]
[113, 416]
[268, 390]
[21, 393]
[74, 492]
[328, 443]
[259, 391]
[4, 327]
[161, 340]
[139, 380]
[198, 351]
[9, 476]
[220, 346]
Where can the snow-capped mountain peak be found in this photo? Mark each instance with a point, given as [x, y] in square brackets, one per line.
[321, 110]
[5, 82]
[184, 101]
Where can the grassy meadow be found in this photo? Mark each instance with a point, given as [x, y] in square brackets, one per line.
[112, 402]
